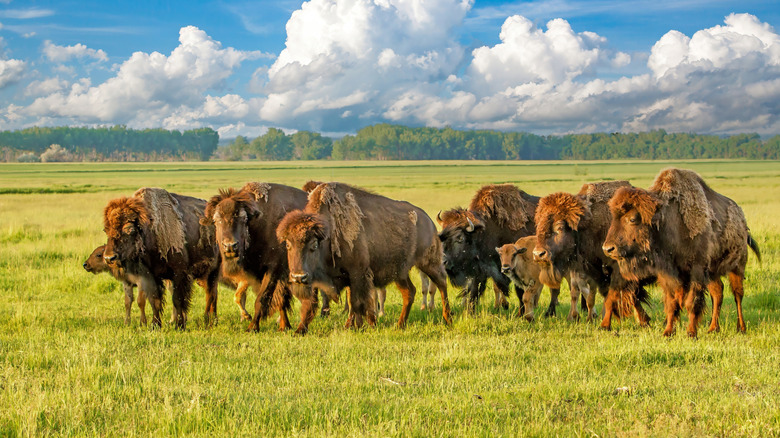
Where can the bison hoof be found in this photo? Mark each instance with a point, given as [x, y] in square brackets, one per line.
[550, 312]
[668, 332]
[253, 328]
[605, 328]
[574, 317]
[301, 330]
[529, 317]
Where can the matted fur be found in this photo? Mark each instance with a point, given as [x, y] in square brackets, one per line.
[241, 198]
[627, 198]
[735, 228]
[121, 211]
[166, 219]
[257, 189]
[300, 225]
[504, 203]
[560, 206]
[601, 191]
[688, 188]
[310, 186]
[345, 215]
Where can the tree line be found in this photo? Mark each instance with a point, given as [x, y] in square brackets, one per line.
[382, 142]
[115, 143]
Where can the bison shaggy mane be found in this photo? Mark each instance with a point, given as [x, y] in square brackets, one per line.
[240, 197]
[688, 188]
[121, 211]
[301, 225]
[344, 215]
[166, 218]
[643, 201]
[560, 206]
[504, 203]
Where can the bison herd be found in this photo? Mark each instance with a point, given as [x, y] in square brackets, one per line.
[610, 237]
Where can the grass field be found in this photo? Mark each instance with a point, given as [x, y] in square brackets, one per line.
[69, 365]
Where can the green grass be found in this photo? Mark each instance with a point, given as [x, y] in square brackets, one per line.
[69, 365]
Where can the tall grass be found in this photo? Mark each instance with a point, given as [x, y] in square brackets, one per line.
[69, 365]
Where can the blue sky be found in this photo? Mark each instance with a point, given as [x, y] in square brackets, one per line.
[335, 66]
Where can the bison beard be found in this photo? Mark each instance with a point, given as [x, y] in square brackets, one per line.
[348, 237]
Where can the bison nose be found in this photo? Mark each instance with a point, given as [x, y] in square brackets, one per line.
[85, 266]
[608, 249]
[109, 258]
[299, 278]
[230, 246]
[540, 254]
[504, 269]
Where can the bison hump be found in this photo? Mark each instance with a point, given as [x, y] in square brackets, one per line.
[166, 219]
[505, 204]
[685, 187]
[343, 212]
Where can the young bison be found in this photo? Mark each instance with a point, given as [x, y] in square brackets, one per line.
[688, 236]
[518, 264]
[348, 237]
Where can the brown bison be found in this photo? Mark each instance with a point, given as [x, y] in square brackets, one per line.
[348, 237]
[156, 235]
[497, 215]
[518, 264]
[688, 236]
[570, 230]
[246, 222]
[96, 264]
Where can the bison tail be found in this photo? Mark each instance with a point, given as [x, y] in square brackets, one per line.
[754, 246]
[629, 299]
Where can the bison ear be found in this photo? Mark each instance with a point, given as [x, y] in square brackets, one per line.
[647, 211]
[498, 250]
[208, 213]
[519, 251]
[251, 210]
[441, 237]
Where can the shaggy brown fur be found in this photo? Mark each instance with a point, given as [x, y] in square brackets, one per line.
[561, 206]
[601, 191]
[301, 225]
[630, 198]
[345, 215]
[259, 190]
[122, 211]
[165, 218]
[504, 203]
[310, 186]
[687, 187]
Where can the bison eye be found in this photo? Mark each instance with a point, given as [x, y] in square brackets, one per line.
[314, 245]
[633, 220]
[460, 239]
[287, 244]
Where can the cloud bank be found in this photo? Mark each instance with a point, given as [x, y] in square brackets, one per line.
[351, 63]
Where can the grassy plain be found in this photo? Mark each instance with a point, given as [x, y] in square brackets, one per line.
[69, 365]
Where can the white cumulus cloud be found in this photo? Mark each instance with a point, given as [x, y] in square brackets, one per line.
[65, 53]
[11, 71]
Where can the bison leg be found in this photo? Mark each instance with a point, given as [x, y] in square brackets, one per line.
[609, 308]
[210, 287]
[428, 290]
[438, 276]
[360, 302]
[325, 304]
[715, 288]
[142, 305]
[590, 301]
[530, 300]
[308, 311]
[575, 293]
[128, 301]
[694, 304]
[264, 295]
[240, 299]
[501, 289]
[182, 292]
[407, 294]
[735, 280]
[554, 292]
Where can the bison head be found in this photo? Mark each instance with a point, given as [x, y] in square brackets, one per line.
[631, 232]
[461, 237]
[125, 222]
[95, 263]
[509, 255]
[560, 217]
[231, 211]
[305, 237]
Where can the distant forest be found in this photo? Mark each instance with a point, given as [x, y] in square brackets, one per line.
[376, 142]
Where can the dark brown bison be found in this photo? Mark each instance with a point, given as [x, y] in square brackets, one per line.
[570, 230]
[96, 264]
[246, 222]
[517, 263]
[156, 235]
[348, 237]
[686, 235]
[497, 215]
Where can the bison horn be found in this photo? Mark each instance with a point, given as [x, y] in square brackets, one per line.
[470, 228]
[438, 218]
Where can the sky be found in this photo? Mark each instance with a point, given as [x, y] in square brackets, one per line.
[335, 66]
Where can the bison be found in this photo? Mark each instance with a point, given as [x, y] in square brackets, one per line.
[497, 215]
[688, 236]
[570, 230]
[246, 222]
[518, 264]
[349, 237]
[155, 235]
